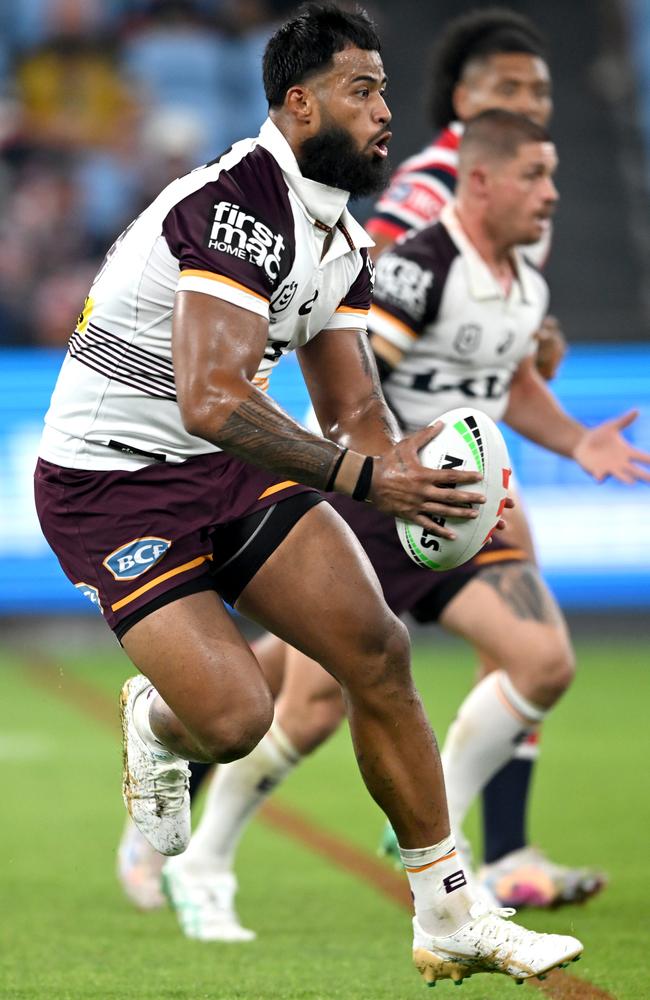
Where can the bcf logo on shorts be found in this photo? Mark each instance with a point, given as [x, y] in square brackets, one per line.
[136, 557]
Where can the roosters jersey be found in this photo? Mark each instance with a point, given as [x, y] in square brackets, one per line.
[422, 186]
[247, 228]
[461, 335]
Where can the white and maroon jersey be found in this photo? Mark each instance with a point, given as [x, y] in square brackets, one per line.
[247, 228]
[461, 336]
[421, 187]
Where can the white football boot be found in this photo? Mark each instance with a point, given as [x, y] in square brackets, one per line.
[155, 783]
[205, 906]
[489, 943]
[139, 869]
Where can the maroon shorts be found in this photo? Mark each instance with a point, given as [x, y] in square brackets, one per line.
[407, 586]
[128, 540]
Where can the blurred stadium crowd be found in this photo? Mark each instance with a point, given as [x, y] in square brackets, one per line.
[102, 103]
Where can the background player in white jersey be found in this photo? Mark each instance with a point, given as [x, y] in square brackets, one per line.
[168, 479]
[456, 309]
[489, 58]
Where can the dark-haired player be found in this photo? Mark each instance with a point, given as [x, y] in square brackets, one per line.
[168, 479]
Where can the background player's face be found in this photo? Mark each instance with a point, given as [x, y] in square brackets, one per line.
[509, 81]
[348, 142]
[521, 194]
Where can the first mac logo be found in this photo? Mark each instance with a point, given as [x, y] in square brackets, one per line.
[136, 557]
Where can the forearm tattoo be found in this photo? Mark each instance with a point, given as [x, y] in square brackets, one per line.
[523, 590]
[258, 431]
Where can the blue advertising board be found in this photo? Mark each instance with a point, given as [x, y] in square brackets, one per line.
[593, 540]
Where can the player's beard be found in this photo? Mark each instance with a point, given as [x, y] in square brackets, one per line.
[332, 158]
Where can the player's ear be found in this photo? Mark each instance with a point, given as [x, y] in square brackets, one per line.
[460, 102]
[478, 179]
[300, 104]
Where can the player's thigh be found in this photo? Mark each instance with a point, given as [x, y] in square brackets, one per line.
[196, 658]
[319, 592]
[310, 707]
[306, 681]
[509, 614]
[271, 654]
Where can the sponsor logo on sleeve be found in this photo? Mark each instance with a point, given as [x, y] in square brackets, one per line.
[239, 234]
[371, 270]
[91, 593]
[403, 283]
[136, 557]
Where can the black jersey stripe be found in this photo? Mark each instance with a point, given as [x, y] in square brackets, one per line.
[101, 358]
[80, 348]
[141, 352]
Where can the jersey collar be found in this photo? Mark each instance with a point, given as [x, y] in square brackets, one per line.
[321, 204]
[482, 283]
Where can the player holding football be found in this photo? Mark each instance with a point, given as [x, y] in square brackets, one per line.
[453, 322]
[167, 479]
[492, 58]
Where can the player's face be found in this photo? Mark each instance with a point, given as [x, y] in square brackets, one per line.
[348, 147]
[508, 81]
[522, 195]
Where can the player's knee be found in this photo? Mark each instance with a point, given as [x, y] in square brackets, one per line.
[554, 667]
[384, 660]
[235, 731]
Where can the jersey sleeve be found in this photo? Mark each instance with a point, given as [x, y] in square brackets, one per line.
[412, 201]
[406, 298]
[232, 239]
[352, 311]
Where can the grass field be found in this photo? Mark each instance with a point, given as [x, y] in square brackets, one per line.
[67, 932]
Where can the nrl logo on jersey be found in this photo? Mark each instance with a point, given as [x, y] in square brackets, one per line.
[284, 297]
[239, 234]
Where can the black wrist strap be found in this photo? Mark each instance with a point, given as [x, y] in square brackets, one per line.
[329, 485]
[362, 489]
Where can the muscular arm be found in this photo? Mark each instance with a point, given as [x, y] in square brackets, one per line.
[341, 376]
[535, 412]
[217, 348]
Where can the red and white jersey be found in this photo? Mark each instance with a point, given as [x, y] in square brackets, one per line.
[461, 336]
[421, 187]
[247, 228]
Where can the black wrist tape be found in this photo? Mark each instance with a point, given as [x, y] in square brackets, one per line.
[329, 485]
[362, 489]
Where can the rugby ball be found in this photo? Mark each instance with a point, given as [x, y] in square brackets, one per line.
[471, 441]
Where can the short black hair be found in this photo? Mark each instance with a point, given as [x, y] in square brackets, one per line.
[307, 43]
[476, 35]
[500, 133]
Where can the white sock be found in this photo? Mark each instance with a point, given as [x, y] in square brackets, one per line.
[482, 738]
[235, 792]
[441, 894]
[141, 707]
